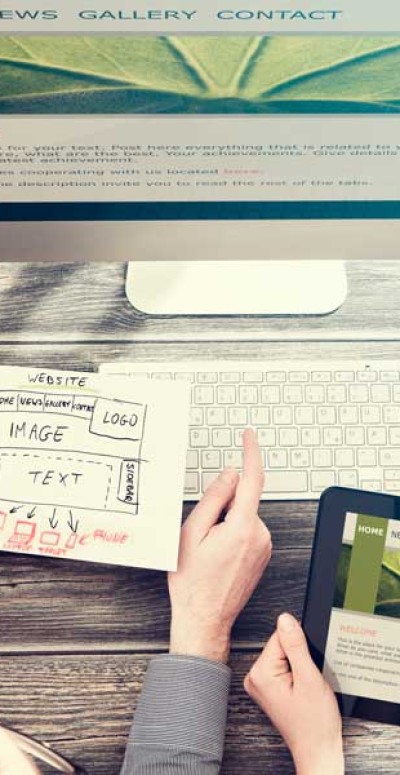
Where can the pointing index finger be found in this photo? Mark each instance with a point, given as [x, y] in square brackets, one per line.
[250, 487]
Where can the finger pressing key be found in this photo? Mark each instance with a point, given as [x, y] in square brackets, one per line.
[250, 487]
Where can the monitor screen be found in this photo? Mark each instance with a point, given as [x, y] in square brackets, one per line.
[184, 111]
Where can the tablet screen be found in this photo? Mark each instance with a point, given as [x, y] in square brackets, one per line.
[362, 655]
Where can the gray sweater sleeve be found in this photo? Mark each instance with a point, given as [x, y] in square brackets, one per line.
[179, 725]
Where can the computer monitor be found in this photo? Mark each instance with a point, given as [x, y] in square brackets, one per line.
[235, 157]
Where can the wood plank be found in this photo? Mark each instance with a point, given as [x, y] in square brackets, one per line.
[48, 604]
[83, 706]
[87, 301]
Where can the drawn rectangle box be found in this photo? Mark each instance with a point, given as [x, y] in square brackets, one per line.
[118, 419]
[30, 401]
[54, 479]
[128, 488]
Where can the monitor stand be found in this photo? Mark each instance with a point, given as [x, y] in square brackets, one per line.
[240, 287]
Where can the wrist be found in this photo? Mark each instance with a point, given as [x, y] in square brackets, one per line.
[330, 762]
[197, 640]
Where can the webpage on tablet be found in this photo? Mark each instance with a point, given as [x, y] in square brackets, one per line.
[362, 656]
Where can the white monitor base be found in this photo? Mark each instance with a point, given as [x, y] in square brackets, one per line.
[236, 287]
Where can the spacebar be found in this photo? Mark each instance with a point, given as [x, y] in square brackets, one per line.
[285, 481]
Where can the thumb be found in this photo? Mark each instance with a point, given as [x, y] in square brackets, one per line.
[294, 644]
[12, 760]
[216, 498]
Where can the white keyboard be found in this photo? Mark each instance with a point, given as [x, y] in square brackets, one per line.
[318, 423]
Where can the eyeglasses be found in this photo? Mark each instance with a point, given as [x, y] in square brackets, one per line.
[43, 753]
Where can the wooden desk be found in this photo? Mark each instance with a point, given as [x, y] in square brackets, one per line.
[76, 638]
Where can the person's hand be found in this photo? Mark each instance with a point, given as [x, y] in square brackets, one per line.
[289, 688]
[12, 760]
[220, 563]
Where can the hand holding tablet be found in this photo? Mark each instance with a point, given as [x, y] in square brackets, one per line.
[352, 609]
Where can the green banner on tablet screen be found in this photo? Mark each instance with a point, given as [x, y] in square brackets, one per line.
[365, 564]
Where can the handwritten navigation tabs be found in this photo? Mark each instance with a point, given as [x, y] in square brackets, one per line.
[84, 459]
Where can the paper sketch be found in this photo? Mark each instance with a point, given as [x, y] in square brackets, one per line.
[91, 467]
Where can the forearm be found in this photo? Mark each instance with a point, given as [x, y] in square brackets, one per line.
[179, 725]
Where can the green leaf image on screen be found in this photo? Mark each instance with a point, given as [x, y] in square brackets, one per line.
[388, 598]
[199, 74]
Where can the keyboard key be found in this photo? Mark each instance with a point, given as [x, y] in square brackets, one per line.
[250, 377]
[367, 376]
[292, 394]
[199, 438]
[161, 375]
[277, 458]
[207, 479]
[374, 485]
[196, 416]
[332, 436]
[304, 415]
[326, 415]
[322, 479]
[259, 415]
[380, 393]
[391, 415]
[203, 395]
[226, 394]
[321, 376]
[266, 437]
[348, 415]
[345, 458]
[366, 457]
[288, 437]
[392, 485]
[276, 376]
[348, 479]
[233, 458]
[270, 394]
[336, 394]
[298, 376]
[377, 436]
[322, 458]
[207, 377]
[187, 376]
[310, 437]
[389, 457]
[286, 481]
[394, 435]
[354, 435]
[300, 458]
[282, 415]
[344, 376]
[191, 482]
[358, 394]
[230, 377]
[314, 394]
[248, 394]
[392, 473]
[211, 459]
[222, 437]
[237, 416]
[238, 437]
[389, 376]
[396, 394]
[216, 416]
[370, 414]
[192, 459]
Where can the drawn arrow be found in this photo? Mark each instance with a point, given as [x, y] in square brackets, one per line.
[14, 509]
[70, 523]
[52, 520]
[31, 513]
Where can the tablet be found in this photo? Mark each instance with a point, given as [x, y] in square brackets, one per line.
[352, 611]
